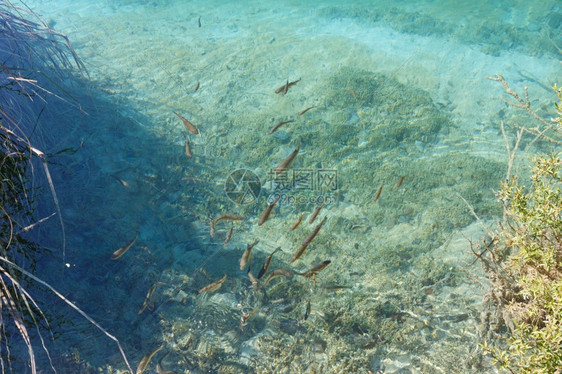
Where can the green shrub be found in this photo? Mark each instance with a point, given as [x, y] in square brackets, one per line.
[525, 264]
[534, 239]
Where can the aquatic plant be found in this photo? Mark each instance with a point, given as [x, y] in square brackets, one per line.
[28, 49]
[523, 258]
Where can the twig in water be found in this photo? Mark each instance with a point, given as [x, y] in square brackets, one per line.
[510, 154]
[526, 104]
[71, 304]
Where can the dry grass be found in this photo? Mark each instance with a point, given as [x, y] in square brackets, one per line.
[28, 49]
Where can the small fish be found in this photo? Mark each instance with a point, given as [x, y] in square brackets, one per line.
[286, 163]
[400, 181]
[304, 111]
[285, 88]
[245, 317]
[315, 270]
[232, 217]
[149, 294]
[307, 311]
[198, 85]
[276, 127]
[299, 252]
[188, 148]
[199, 22]
[315, 214]
[378, 194]
[297, 223]
[246, 255]
[160, 369]
[352, 92]
[188, 124]
[121, 251]
[213, 286]
[146, 360]
[123, 182]
[265, 215]
[229, 235]
[278, 273]
[267, 262]
[255, 281]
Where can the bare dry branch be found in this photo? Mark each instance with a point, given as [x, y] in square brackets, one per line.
[524, 104]
[16, 318]
[29, 227]
[71, 304]
[510, 154]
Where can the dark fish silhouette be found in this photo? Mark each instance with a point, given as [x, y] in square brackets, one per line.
[315, 214]
[315, 270]
[285, 88]
[190, 126]
[276, 127]
[267, 262]
[378, 194]
[297, 223]
[307, 241]
[286, 163]
[265, 215]
[146, 360]
[121, 251]
[304, 111]
[213, 286]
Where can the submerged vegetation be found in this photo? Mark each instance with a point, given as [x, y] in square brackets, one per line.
[524, 260]
[32, 56]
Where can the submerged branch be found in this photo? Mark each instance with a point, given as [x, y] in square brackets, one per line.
[526, 104]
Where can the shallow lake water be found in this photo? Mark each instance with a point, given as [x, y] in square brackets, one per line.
[394, 127]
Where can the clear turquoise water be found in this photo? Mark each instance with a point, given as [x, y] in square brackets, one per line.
[396, 90]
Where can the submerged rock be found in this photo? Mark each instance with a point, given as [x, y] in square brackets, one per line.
[291, 326]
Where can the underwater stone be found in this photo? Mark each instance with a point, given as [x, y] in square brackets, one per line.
[291, 326]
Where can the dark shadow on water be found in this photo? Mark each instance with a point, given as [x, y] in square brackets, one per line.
[114, 177]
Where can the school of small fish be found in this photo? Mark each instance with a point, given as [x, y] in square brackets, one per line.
[264, 276]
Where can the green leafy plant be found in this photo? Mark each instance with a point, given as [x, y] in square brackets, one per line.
[523, 259]
[534, 239]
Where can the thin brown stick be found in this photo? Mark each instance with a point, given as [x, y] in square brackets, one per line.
[510, 153]
[16, 318]
[25, 296]
[484, 228]
[29, 227]
[525, 104]
[538, 134]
